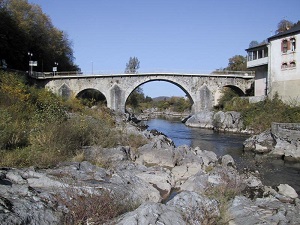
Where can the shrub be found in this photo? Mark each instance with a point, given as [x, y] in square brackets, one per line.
[259, 116]
[90, 207]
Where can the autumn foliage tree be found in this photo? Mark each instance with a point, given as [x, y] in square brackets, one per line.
[25, 28]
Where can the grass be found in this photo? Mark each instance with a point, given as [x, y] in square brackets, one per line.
[38, 128]
[93, 206]
[225, 192]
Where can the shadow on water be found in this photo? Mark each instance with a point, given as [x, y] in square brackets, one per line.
[273, 171]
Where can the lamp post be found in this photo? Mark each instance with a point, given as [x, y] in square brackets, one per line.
[30, 62]
[55, 68]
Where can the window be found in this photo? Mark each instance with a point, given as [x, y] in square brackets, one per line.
[293, 44]
[293, 64]
[265, 52]
[284, 46]
[284, 65]
[250, 56]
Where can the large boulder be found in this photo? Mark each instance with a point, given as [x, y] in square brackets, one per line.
[268, 210]
[152, 213]
[203, 119]
[228, 121]
[197, 209]
[281, 141]
[261, 143]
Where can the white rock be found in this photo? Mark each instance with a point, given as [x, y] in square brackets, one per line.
[287, 190]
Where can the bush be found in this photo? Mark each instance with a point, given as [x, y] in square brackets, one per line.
[89, 207]
[259, 116]
[37, 130]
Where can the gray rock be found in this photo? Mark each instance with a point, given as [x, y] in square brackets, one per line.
[152, 213]
[135, 188]
[262, 143]
[228, 121]
[195, 208]
[203, 119]
[281, 141]
[161, 179]
[227, 160]
[155, 155]
[262, 211]
[183, 172]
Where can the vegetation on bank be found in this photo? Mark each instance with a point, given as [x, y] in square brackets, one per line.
[259, 116]
[138, 102]
[38, 128]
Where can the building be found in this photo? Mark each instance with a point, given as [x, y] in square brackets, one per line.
[277, 66]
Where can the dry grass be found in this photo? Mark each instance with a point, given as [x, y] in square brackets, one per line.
[92, 206]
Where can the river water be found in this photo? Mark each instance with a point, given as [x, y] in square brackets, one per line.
[273, 172]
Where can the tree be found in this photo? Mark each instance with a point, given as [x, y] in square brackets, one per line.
[133, 65]
[253, 44]
[136, 97]
[227, 95]
[23, 21]
[237, 63]
[284, 25]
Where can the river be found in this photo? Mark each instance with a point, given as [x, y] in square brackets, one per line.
[273, 172]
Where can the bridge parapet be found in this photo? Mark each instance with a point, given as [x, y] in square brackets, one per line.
[77, 74]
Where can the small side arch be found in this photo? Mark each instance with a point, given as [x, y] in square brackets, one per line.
[91, 96]
[219, 93]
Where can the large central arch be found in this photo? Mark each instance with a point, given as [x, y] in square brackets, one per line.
[127, 94]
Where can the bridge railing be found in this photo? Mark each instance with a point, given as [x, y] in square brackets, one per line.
[240, 73]
[40, 75]
[43, 75]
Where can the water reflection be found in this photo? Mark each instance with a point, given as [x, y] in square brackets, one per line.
[273, 172]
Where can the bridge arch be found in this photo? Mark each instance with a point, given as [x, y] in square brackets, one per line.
[218, 93]
[91, 96]
[178, 84]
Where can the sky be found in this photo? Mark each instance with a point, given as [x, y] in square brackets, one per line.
[184, 36]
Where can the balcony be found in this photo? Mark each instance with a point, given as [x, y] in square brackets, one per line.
[258, 62]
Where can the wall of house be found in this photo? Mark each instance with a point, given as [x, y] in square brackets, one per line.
[260, 85]
[284, 70]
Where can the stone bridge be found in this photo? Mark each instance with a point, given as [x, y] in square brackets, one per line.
[202, 89]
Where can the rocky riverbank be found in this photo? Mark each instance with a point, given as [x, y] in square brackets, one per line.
[281, 141]
[154, 184]
[220, 121]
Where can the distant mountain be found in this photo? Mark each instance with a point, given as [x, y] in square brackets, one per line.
[163, 98]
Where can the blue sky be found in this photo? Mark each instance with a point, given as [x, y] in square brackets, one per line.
[192, 36]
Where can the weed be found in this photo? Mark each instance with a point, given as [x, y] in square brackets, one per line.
[224, 192]
[95, 206]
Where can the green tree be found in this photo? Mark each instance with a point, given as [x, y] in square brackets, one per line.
[237, 63]
[37, 35]
[227, 95]
[136, 97]
[133, 65]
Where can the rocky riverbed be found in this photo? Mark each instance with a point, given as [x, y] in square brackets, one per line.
[281, 141]
[155, 184]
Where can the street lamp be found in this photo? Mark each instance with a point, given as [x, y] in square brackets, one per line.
[30, 62]
[55, 68]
